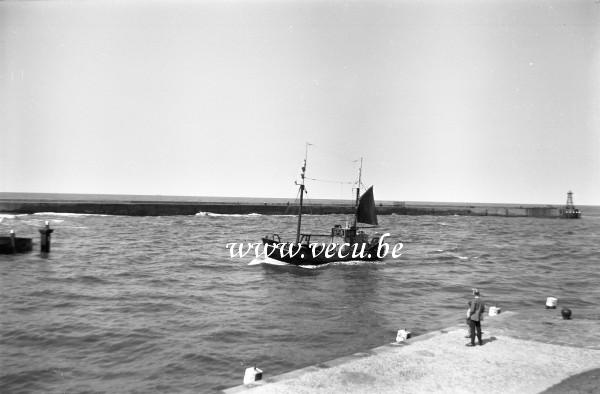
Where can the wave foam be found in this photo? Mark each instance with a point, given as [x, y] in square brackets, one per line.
[11, 216]
[311, 267]
[267, 260]
[256, 261]
[68, 214]
[235, 215]
[270, 261]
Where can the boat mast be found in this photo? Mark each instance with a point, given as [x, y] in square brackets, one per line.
[358, 185]
[301, 193]
[358, 190]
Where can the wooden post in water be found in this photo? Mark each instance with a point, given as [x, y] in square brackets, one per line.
[45, 238]
[13, 241]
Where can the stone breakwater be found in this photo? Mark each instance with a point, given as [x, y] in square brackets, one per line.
[169, 208]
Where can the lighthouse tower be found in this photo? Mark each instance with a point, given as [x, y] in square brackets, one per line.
[570, 212]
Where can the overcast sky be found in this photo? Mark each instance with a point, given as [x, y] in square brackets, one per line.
[481, 101]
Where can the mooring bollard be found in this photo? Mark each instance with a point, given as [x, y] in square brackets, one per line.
[403, 335]
[45, 238]
[566, 313]
[13, 241]
[551, 302]
[494, 310]
[252, 374]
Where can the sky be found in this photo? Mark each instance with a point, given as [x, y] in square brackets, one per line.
[457, 101]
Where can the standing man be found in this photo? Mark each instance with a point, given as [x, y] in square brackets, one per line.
[476, 309]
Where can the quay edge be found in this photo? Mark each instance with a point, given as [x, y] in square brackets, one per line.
[565, 351]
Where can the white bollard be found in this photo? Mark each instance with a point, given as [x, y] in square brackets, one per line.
[494, 310]
[252, 374]
[551, 302]
[403, 335]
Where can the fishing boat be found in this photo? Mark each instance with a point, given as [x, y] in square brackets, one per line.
[345, 243]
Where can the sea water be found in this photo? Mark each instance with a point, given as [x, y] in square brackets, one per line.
[156, 304]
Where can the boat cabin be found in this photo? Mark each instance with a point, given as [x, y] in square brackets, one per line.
[349, 235]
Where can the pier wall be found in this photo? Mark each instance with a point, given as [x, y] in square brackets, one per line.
[151, 208]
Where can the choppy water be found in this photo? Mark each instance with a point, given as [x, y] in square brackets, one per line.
[155, 304]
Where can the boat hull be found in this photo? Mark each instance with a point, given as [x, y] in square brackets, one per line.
[314, 254]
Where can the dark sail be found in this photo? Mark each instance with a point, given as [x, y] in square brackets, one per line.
[365, 212]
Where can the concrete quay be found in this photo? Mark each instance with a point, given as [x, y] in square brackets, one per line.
[531, 351]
